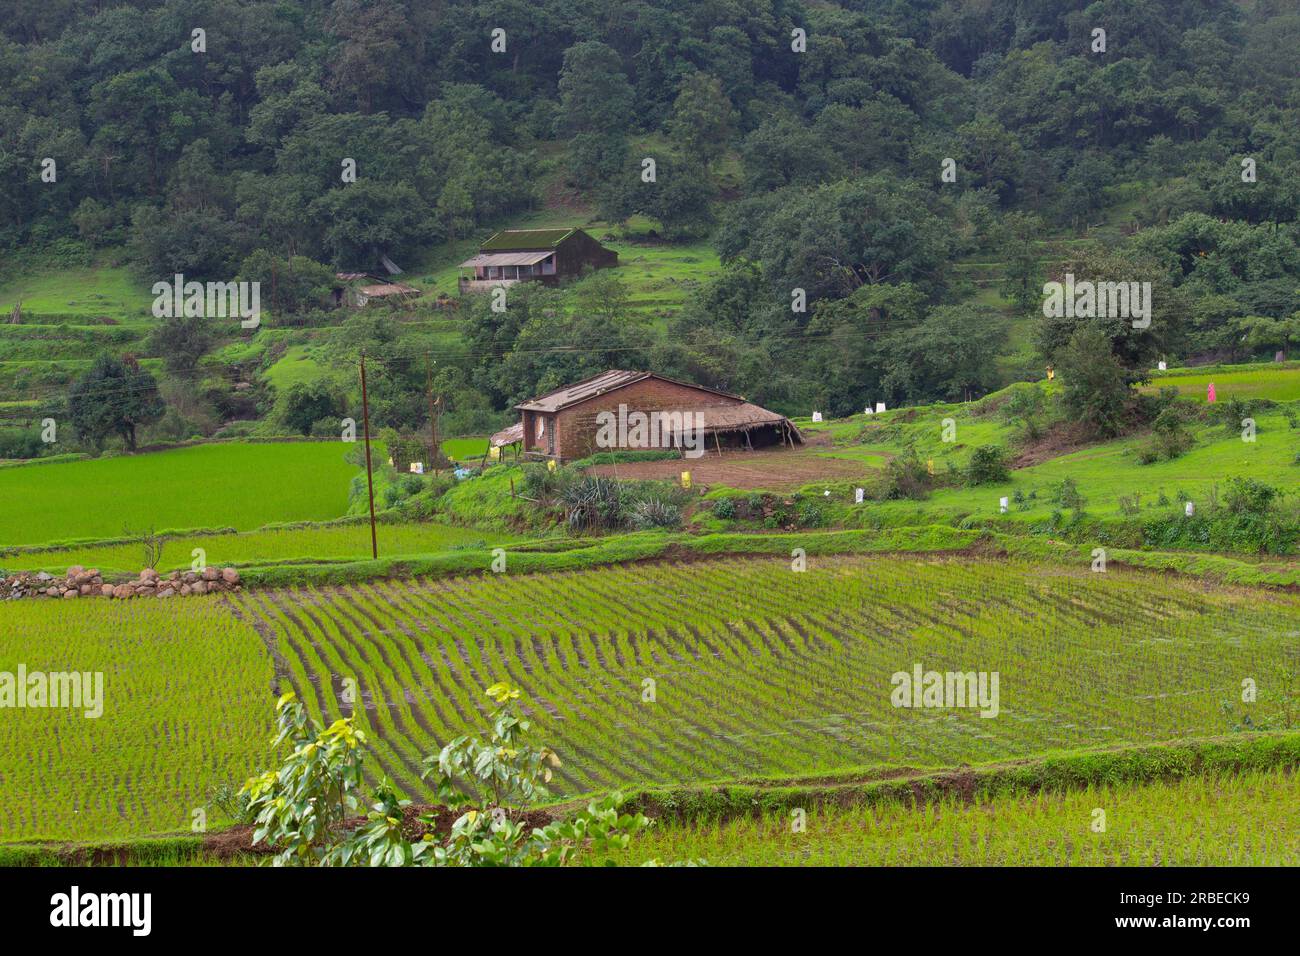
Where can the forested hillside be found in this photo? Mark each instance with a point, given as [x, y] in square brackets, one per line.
[886, 186]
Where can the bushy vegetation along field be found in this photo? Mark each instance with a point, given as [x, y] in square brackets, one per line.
[235, 484]
[186, 706]
[1200, 821]
[311, 543]
[759, 670]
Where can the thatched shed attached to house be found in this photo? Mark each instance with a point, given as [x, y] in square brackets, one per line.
[358, 289]
[507, 436]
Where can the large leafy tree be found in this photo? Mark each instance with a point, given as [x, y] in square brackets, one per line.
[292, 285]
[1096, 385]
[1136, 347]
[950, 355]
[703, 117]
[595, 95]
[367, 218]
[114, 397]
[182, 341]
[143, 119]
[833, 239]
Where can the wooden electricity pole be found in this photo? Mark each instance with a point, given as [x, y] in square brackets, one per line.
[433, 415]
[370, 484]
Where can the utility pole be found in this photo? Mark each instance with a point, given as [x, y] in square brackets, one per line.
[433, 416]
[370, 484]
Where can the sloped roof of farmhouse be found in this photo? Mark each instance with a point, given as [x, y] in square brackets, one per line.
[515, 239]
[507, 258]
[599, 385]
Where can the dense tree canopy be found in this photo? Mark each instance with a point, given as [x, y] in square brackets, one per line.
[854, 170]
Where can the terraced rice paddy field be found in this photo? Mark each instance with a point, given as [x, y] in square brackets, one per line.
[317, 543]
[1245, 820]
[186, 691]
[757, 671]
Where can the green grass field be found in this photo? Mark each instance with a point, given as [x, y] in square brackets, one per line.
[1279, 382]
[312, 543]
[1243, 820]
[294, 367]
[91, 291]
[1104, 473]
[465, 449]
[186, 706]
[237, 485]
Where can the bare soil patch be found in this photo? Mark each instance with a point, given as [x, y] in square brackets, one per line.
[1061, 440]
[784, 468]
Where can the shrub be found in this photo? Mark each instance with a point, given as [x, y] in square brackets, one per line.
[811, 516]
[539, 481]
[1066, 494]
[1248, 496]
[654, 513]
[1232, 412]
[1170, 436]
[724, 508]
[20, 443]
[1025, 400]
[300, 808]
[906, 477]
[328, 427]
[231, 802]
[988, 465]
[592, 501]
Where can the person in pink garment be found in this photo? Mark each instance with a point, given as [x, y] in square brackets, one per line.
[1210, 394]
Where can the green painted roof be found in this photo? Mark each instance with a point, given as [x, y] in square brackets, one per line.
[525, 239]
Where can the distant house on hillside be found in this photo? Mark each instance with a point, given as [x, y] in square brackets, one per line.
[565, 424]
[533, 255]
[357, 289]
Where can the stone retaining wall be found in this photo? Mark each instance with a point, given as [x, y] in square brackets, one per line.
[81, 582]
